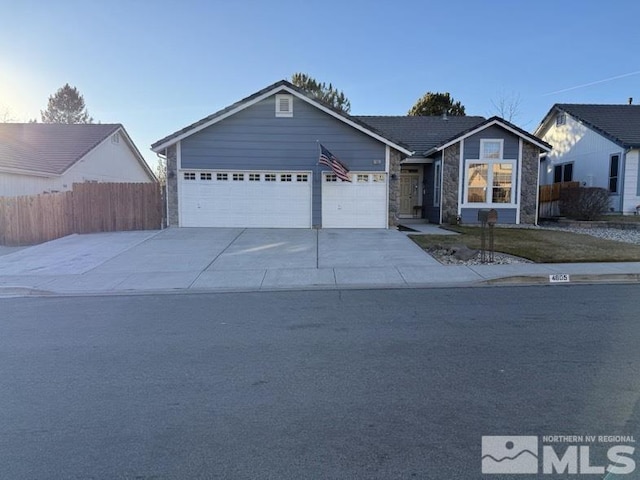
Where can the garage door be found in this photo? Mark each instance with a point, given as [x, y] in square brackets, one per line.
[245, 199]
[359, 204]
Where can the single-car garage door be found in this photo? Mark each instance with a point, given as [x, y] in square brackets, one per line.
[361, 203]
[245, 199]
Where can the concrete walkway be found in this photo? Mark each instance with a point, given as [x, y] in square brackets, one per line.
[203, 259]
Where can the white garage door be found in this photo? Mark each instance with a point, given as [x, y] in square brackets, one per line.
[359, 204]
[245, 199]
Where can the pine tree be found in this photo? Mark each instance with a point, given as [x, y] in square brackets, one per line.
[66, 106]
[327, 93]
[437, 104]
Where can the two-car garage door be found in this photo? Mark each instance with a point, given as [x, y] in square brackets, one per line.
[245, 199]
[280, 200]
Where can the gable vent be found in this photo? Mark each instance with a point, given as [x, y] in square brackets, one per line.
[284, 105]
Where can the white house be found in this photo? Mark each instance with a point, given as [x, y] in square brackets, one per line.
[39, 158]
[596, 145]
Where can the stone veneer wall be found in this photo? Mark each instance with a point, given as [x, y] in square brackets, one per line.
[529, 190]
[450, 180]
[172, 186]
[394, 187]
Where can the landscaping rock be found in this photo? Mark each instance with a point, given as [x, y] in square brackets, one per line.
[462, 252]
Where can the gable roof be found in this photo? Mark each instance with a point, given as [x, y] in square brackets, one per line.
[421, 133]
[427, 135]
[618, 123]
[278, 87]
[47, 148]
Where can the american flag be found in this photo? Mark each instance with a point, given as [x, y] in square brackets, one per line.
[340, 169]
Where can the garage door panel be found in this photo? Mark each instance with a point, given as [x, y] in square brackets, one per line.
[359, 204]
[245, 203]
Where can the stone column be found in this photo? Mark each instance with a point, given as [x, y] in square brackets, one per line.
[172, 186]
[529, 189]
[394, 187]
[450, 181]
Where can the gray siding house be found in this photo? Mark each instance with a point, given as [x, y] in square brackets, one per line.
[256, 164]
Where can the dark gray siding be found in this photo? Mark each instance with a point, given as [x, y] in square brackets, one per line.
[505, 215]
[255, 139]
[472, 143]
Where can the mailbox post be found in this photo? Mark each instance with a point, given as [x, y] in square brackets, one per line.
[487, 217]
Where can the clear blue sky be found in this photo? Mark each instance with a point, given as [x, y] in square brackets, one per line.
[157, 66]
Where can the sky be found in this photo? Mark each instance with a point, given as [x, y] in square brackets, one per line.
[158, 66]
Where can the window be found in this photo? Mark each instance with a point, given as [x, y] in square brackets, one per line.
[563, 173]
[189, 175]
[269, 177]
[284, 105]
[561, 119]
[614, 166]
[222, 177]
[490, 149]
[502, 175]
[378, 177]
[302, 177]
[437, 183]
[205, 176]
[478, 175]
[490, 182]
[285, 177]
[115, 138]
[254, 177]
[363, 178]
[238, 177]
[330, 177]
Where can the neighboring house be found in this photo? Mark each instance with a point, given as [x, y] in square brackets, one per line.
[43, 158]
[596, 145]
[255, 164]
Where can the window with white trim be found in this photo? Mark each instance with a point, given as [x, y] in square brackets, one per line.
[378, 177]
[491, 149]
[189, 175]
[437, 183]
[284, 105]
[302, 177]
[490, 181]
[254, 177]
[269, 177]
[222, 177]
[561, 119]
[614, 167]
[238, 177]
[363, 177]
[285, 177]
[205, 176]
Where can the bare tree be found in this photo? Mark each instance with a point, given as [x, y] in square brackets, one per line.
[507, 105]
[5, 115]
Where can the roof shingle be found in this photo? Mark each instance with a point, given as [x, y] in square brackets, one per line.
[48, 148]
[620, 123]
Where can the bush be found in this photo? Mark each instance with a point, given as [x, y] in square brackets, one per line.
[584, 203]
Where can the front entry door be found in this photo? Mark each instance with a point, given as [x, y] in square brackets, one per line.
[408, 192]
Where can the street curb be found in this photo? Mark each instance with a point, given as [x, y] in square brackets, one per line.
[575, 279]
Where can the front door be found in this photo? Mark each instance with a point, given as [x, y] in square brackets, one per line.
[409, 193]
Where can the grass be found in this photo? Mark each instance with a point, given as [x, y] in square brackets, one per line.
[540, 246]
[620, 218]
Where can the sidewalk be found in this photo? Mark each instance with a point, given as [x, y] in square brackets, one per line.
[237, 260]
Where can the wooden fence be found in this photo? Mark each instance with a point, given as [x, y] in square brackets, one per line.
[549, 198]
[88, 208]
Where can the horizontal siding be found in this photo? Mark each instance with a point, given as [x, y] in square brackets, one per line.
[505, 215]
[255, 139]
[588, 150]
[631, 182]
[472, 143]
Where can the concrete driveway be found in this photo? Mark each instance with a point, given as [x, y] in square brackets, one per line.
[205, 258]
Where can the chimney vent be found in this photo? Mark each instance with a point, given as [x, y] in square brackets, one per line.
[630, 100]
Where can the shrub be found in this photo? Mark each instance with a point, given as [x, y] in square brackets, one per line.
[584, 203]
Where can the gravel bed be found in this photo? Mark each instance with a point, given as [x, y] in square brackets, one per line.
[446, 257]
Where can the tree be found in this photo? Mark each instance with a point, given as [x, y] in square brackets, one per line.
[5, 115]
[161, 171]
[507, 105]
[322, 91]
[66, 106]
[434, 103]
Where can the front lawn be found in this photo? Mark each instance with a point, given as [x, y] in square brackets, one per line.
[540, 246]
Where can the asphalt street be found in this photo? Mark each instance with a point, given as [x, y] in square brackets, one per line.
[355, 384]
